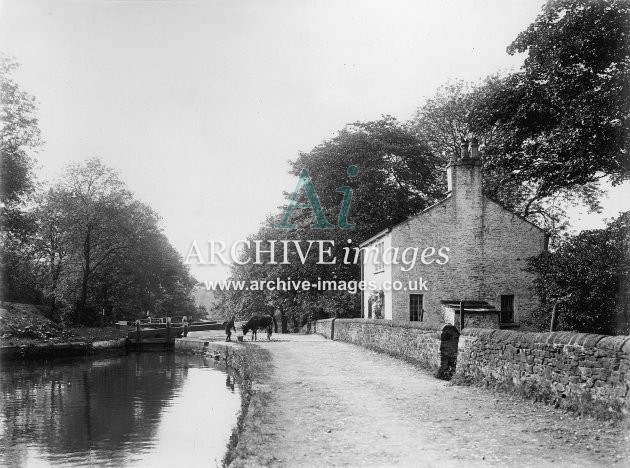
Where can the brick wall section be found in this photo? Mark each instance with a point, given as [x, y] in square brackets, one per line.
[568, 364]
[416, 341]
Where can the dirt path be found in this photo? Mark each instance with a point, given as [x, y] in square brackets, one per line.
[336, 404]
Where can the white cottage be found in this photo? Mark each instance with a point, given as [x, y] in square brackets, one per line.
[474, 251]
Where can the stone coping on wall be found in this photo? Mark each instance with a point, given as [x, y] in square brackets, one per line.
[59, 350]
[587, 340]
[429, 326]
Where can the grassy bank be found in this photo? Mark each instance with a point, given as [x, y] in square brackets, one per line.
[26, 324]
[252, 366]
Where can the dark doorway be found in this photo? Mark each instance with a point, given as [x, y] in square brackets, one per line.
[415, 307]
[507, 308]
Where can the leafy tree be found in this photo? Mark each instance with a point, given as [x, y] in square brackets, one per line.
[397, 174]
[85, 243]
[552, 130]
[96, 250]
[397, 177]
[19, 276]
[200, 313]
[445, 118]
[51, 243]
[451, 114]
[564, 118]
[100, 217]
[19, 137]
[147, 276]
[590, 275]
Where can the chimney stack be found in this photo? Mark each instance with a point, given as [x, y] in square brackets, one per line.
[464, 150]
[474, 148]
[464, 174]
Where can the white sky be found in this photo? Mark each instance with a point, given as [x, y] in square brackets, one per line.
[199, 104]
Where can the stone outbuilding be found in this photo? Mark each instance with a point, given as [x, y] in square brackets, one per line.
[469, 248]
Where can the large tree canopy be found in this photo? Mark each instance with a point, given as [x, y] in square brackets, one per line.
[19, 139]
[94, 248]
[19, 136]
[552, 130]
[398, 175]
[450, 116]
[590, 275]
[564, 118]
[120, 259]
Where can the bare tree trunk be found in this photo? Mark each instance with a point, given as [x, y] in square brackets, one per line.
[86, 275]
[53, 287]
[105, 301]
[283, 320]
[554, 317]
[55, 272]
[53, 292]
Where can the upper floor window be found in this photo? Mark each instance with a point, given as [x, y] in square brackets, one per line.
[379, 264]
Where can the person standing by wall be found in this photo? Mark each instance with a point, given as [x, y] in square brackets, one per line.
[229, 326]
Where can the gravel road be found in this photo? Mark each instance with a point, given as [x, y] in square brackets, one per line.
[336, 404]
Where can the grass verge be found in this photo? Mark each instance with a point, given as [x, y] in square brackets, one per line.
[25, 324]
[252, 365]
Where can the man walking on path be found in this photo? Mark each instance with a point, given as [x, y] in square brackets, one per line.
[229, 326]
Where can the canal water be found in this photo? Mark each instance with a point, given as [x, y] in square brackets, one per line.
[142, 409]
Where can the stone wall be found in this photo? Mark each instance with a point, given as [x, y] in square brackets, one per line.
[488, 252]
[489, 248]
[563, 365]
[473, 319]
[416, 341]
[323, 327]
[61, 350]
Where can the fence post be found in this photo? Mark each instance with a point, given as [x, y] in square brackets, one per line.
[168, 330]
[449, 340]
[138, 334]
[461, 315]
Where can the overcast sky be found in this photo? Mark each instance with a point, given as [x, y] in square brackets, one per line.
[199, 104]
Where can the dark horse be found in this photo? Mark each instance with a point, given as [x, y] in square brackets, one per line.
[259, 322]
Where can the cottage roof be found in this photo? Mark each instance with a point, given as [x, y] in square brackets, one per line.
[389, 229]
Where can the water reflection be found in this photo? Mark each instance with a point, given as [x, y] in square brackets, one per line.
[149, 409]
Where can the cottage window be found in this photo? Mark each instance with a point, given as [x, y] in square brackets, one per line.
[507, 308]
[379, 264]
[415, 307]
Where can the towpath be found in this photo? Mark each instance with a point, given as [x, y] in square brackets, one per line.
[337, 404]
